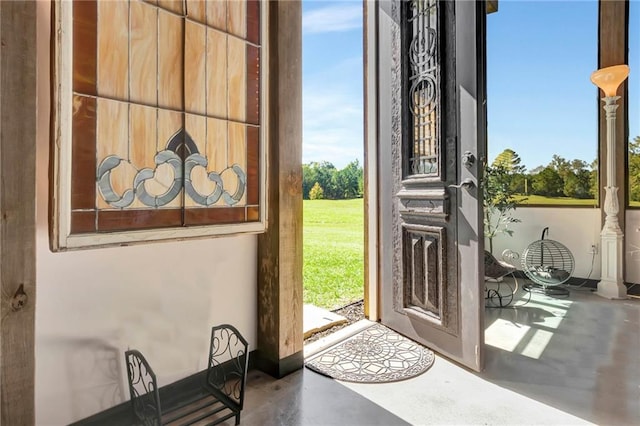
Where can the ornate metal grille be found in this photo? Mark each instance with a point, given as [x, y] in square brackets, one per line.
[228, 362]
[423, 87]
[143, 388]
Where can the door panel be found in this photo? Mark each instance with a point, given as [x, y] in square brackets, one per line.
[429, 215]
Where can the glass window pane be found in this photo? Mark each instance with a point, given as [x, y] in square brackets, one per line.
[542, 109]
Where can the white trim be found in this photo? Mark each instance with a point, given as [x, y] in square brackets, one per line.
[371, 149]
[66, 122]
[62, 98]
[133, 237]
[61, 237]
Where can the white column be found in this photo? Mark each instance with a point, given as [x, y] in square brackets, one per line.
[611, 283]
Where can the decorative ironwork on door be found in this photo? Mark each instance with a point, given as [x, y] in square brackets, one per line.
[423, 82]
[424, 227]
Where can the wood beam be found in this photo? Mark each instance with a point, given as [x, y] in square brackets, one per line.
[492, 6]
[612, 50]
[17, 210]
[280, 340]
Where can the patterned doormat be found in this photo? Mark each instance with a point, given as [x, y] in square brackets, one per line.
[374, 355]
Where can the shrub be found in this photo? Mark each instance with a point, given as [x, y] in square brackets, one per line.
[316, 193]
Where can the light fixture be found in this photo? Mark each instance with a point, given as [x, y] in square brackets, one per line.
[609, 79]
[611, 283]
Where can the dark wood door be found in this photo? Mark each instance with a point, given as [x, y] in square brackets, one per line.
[430, 138]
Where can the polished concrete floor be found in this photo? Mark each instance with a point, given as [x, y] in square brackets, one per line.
[308, 398]
[555, 361]
[580, 354]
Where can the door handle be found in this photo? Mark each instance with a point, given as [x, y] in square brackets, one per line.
[466, 184]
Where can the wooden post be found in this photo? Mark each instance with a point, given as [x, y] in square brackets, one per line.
[17, 210]
[280, 340]
[612, 50]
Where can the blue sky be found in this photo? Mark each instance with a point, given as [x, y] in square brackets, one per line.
[332, 82]
[540, 98]
[541, 101]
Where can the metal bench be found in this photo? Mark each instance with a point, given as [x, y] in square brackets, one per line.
[219, 398]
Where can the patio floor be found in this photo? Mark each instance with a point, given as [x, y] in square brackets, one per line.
[553, 361]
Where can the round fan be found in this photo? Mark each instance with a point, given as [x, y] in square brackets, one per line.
[547, 262]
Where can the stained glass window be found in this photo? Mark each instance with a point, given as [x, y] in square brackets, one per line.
[164, 105]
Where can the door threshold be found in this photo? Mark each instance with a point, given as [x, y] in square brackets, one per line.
[333, 339]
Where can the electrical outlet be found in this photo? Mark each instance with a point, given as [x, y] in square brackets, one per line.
[593, 249]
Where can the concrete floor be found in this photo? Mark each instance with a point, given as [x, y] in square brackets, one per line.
[554, 361]
[580, 354]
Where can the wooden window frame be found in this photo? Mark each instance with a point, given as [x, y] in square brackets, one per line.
[61, 237]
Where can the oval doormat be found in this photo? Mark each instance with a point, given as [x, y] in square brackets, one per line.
[374, 355]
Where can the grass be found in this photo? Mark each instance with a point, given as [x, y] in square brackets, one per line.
[566, 201]
[333, 267]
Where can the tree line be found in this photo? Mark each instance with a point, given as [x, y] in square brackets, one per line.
[322, 180]
[634, 169]
[560, 178]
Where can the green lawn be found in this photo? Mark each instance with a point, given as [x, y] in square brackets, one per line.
[333, 266]
[540, 200]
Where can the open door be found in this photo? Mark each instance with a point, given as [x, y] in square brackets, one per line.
[430, 141]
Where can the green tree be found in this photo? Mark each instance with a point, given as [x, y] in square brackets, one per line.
[498, 202]
[309, 177]
[321, 172]
[510, 160]
[312, 173]
[634, 169]
[517, 184]
[560, 165]
[577, 182]
[593, 180]
[548, 183]
[577, 185]
[336, 184]
[347, 181]
[316, 192]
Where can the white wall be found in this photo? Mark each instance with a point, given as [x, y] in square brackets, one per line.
[576, 228]
[160, 298]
